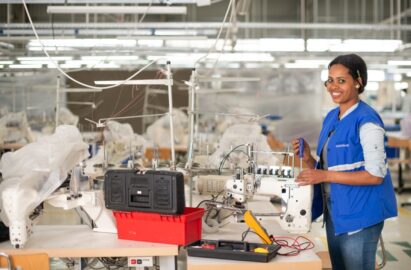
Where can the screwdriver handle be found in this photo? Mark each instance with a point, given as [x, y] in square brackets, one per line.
[300, 147]
[301, 152]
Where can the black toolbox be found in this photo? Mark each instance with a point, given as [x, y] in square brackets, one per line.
[232, 250]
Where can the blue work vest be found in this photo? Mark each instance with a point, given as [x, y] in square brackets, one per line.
[352, 207]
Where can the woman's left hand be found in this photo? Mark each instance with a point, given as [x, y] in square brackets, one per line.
[311, 177]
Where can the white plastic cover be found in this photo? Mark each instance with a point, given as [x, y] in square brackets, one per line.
[243, 134]
[66, 117]
[159, 132]
[14, 128]
[121, 141]
[33, 172]
[405, 124]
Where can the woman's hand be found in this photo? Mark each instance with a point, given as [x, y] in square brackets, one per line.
[311, 177]
[307, 151]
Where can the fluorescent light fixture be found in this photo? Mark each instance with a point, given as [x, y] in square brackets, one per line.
[110, 57]
[376, 75]
[6, 62]
[87, 103]
[45, 62]
[1, 66]
[173, 32]
[324, 75]
[397, 77]
[56, 49]
[65, 66]
[17, 66]
[367, 45]
[321, 45]
[270, 45]
[84, 43]
[319, 62]
[242, 57]
[282, 44]
[156, 43]
[372, 86]
[261, 65]
[408, 74]
[353, 45]
[301, 65]
[44, 58]
[400, 85]
[199, 44]
[399, 63]
[117, 9]
[137, 82]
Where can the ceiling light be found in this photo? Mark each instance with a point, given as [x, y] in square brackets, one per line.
[400, 85]
[372, 86]
[320, 62]
[321, 45]
[25, 66]
[353, 45]
[117, 9]
[44, 58]
[376, 75]
[270, 45]
[367, 45]
[84, 43]
[397, 77]
[136, 82]
[399, 63]
[301, 65]
[110, 57]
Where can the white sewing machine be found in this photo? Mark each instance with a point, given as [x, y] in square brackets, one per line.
[242, 189]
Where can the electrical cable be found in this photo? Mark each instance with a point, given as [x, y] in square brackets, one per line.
[226, 156]
[67, 75]
[296, 246]
[218, 35]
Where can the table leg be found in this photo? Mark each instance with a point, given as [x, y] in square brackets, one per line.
[168, 262]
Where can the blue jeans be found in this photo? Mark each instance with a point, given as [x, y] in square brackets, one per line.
[352, 252]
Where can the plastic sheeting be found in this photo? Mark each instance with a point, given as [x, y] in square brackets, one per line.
[33, 172]
[14, 128]
[242, 134]
[406, 126]
[159, 132]
[121, 141]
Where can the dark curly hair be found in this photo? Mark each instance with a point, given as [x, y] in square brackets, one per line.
[356, 67]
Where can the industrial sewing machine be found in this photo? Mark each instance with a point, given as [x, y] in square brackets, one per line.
[242, 188]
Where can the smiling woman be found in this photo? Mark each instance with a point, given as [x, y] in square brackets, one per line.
[353, 187]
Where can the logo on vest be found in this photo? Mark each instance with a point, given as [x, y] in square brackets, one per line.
[342, 145]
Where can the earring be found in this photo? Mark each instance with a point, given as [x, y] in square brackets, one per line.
[357, 86]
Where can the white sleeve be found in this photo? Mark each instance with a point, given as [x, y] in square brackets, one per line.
[372, 142]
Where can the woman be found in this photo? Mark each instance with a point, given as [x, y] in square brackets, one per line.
[353, 185]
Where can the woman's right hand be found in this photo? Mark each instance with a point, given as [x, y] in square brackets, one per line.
[307, 151]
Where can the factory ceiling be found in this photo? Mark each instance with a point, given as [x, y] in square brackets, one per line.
[269, 32]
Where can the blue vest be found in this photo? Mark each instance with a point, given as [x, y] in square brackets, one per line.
[352, 207]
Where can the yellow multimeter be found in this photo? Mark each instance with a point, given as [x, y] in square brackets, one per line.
[253, 223]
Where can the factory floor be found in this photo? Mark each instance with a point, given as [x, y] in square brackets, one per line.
[396, 234]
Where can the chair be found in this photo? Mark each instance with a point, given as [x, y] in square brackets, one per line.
[38, 261]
